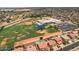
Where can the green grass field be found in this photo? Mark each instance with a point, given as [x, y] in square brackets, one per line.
[21, 32]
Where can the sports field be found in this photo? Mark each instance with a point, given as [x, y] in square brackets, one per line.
[20, 32]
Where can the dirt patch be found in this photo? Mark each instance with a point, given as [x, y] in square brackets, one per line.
[20, 34]
[43, 31]
[18, 38]
[28, 23]
[27, 33]
[4, 45]
[1, 36]
[4, 42]
[15, 32]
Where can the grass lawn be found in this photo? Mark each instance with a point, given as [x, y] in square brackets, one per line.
[17, 31]
[40, 41]
[52, 29]
[23, 32]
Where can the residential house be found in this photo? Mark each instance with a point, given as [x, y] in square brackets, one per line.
[42, 45]
[30, 47]
[19, 49]
[66, 38]
[52, 45]
[59, 41]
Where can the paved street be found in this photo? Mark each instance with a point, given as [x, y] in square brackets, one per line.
[70, 47]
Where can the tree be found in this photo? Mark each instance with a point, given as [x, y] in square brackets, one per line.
[2, 28]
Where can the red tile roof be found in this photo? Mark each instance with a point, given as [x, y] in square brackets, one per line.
[58, 40]
[42, 45]
[18, 49]
[71, 35]
[52, 42]
[27, 41]
[31, 40]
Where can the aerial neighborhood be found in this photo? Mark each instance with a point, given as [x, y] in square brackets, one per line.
[39, 29]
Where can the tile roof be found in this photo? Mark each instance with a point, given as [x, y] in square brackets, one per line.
[71, 35]
[18, 49]
[31, 40]
[31, 48]
[59, 40]
[27, 41]
[51, 42]
[42, 45]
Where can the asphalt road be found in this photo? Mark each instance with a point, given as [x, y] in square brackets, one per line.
[70, 47]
